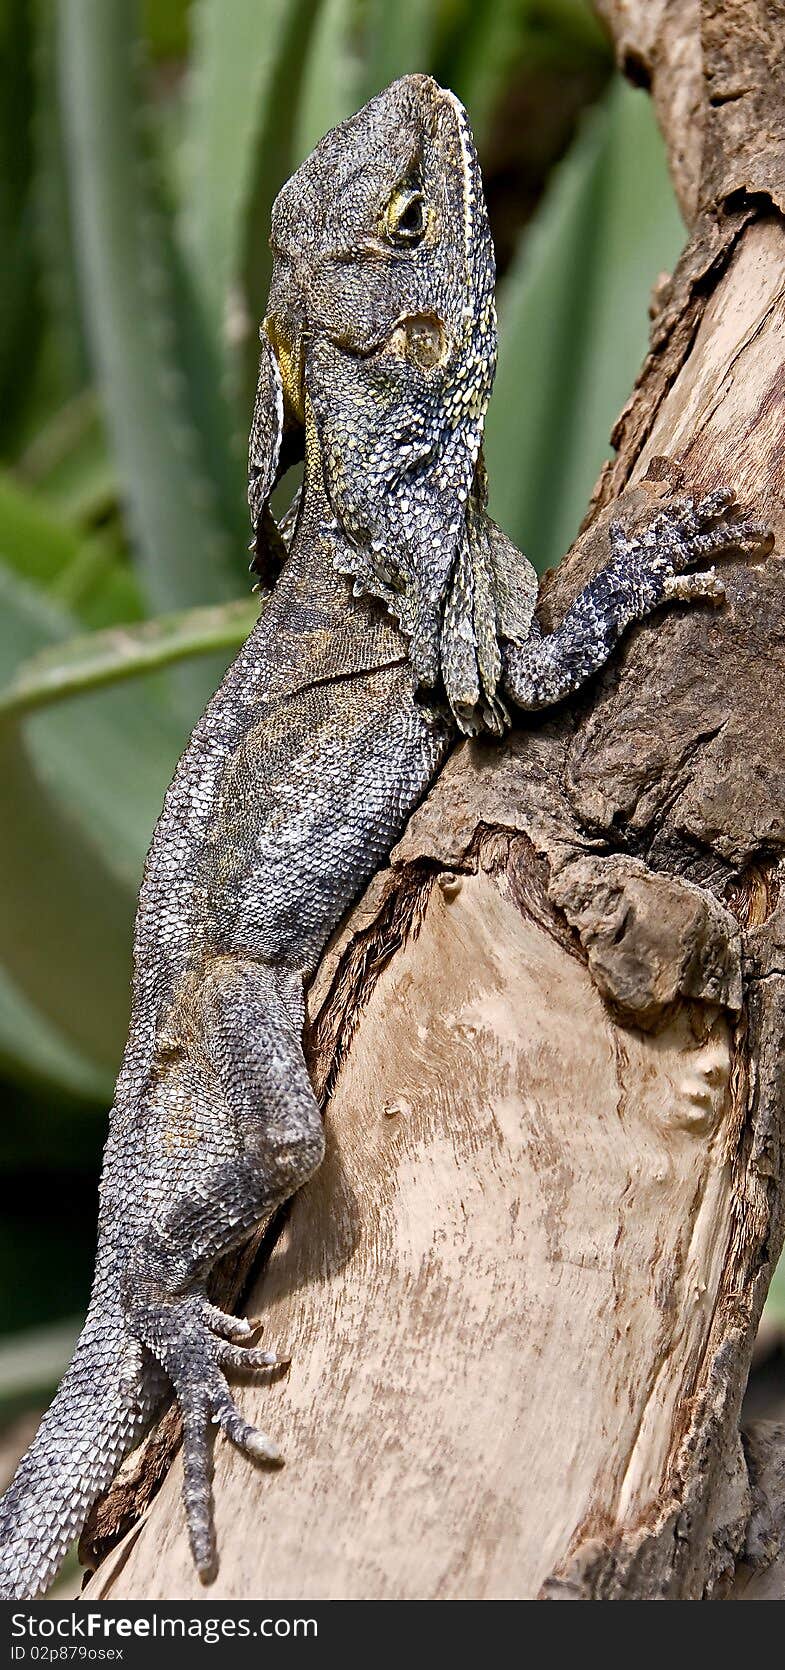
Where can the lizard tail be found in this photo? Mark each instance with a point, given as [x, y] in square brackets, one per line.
[98, 1412]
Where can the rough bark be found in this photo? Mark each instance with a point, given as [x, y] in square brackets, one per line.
[521, 1295]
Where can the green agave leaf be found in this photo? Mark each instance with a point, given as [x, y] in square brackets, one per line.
[540, 324]
[247, 61]
[332, 76]
[68, 462]
[165, 25]
[20, 314]
[83, 782]
[638, 238]
[81, 790]
[573, 324]
[34, 1360]
[97, 586]
[65, 922]
[172, 466]
[33, 1051]
[52, 223]
[574, 21]
[482, 53]
[33, 542]
[107, 755]
[482, 45]
[84, 572]
[398, 41]
[101, 658]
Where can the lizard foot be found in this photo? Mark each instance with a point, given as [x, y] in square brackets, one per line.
[689, 531]
[194, 1342]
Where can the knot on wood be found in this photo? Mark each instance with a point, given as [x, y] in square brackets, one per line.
[650, 939]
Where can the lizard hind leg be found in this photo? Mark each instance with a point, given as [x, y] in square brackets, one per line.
[260, 1137]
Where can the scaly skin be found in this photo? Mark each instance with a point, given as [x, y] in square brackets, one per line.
[402, 616]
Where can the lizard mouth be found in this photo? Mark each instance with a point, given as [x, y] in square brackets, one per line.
[290, 355]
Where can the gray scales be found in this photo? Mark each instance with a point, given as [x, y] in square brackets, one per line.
[399, 617]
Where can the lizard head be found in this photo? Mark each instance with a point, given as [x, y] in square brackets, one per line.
[380, 338]
[384, 223]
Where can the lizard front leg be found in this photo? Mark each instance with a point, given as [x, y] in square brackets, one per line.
[645, 571]
[260, 1136]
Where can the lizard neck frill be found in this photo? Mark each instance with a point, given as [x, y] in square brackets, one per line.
[94, 1419]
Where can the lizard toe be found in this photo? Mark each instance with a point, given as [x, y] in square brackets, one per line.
[247, 1438]
[752, 538]
[248, 1358]
[196, 1414]
[684, 588]
[195, 1342]
[726, 535]
[227, 1326]
[714, 504]
[204, 1400]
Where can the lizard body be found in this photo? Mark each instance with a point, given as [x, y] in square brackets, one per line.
[401, 617]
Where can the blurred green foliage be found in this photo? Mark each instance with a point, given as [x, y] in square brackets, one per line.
[141, 146]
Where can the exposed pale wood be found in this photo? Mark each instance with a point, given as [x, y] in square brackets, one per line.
[522, 1293]
[457, 1293]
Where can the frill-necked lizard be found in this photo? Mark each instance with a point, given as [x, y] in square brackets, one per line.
[401, 617]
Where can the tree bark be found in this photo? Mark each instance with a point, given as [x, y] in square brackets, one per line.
[522, 1293]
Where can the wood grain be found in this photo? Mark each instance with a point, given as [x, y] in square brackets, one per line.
[466, 1311]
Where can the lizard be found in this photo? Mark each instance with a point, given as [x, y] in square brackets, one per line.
[400, 618]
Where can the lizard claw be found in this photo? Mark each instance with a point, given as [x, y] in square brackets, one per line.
[683, 588]
[195, 1343]
[227, 1326]
[231, 1327]
[247, 1357]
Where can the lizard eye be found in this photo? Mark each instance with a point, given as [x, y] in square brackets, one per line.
[405, 218]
